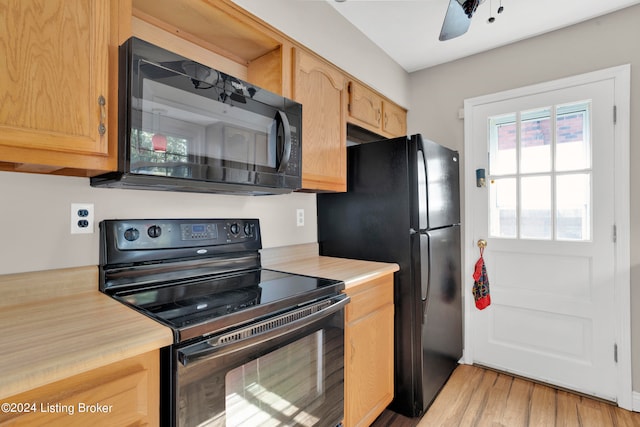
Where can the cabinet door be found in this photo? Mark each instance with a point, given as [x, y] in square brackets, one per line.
[123, 393]
[320, 88]
[369, 351]
[394, 120]
[54, 69]
[364, 105]
[369, 376]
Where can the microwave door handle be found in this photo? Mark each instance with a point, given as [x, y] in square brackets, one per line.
[210, 348]
[281, 119]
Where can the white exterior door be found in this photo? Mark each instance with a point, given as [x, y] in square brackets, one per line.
[548, 215]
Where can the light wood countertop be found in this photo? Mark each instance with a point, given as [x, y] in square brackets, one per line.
[304, 259]
[57, 324]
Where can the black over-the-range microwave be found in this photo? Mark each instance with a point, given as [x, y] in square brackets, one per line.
[184, 126]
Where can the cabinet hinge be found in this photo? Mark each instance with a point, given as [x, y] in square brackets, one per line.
[615, 114]
[615, 233]
[615, 353]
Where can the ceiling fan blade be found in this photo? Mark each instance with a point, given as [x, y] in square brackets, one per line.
[456, 22]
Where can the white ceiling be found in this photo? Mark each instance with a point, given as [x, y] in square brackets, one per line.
[408, 30]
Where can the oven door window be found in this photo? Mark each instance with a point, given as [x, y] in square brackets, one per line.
[298, 382]
[288, 383]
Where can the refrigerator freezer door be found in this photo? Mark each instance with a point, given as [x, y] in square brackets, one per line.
[443, 180]
[442, 322]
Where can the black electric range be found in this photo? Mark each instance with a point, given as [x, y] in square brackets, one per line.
[203, 279]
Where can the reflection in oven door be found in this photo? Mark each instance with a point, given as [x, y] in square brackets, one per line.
[290, 378]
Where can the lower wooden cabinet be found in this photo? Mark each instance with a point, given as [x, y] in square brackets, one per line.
[369, 351]
[123, 393]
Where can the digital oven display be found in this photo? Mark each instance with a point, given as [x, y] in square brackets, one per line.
[199, 231]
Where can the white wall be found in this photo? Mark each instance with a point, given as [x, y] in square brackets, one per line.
[439, 92]
[35, 217]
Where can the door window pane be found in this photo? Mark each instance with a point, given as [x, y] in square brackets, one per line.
[573, 150]
[503, 142]
[503, 197]
[535, 210]
[535, 141]
[573, 201]
[540, 173]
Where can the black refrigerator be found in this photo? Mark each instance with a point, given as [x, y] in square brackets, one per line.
[402, 205]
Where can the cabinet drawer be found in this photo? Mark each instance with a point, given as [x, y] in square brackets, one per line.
[369, 297]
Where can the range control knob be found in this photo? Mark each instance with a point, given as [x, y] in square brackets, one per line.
[131, 234]
[247, 229]
[234, 228]
[154, 231]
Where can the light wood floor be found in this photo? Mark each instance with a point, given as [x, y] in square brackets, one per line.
[477, 397]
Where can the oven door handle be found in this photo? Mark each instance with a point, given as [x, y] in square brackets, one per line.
[259, 332]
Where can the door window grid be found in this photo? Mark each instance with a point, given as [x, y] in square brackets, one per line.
[540, 173]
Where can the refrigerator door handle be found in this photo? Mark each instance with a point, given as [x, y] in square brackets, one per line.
[425, 270]
[423, 203]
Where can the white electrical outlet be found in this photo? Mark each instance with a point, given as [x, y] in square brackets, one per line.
[82, 218]
[300, 217]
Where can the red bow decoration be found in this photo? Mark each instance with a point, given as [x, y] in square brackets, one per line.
[481, 284]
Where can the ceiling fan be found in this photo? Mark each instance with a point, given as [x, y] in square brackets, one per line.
[458, 18]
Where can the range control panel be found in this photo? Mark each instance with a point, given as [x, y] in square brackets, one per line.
[142, 234]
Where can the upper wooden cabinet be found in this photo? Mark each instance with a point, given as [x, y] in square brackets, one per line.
[320, 88]
[371, 111]
[56, 102]
[219, 34]
[394, 119]
[365, 106]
